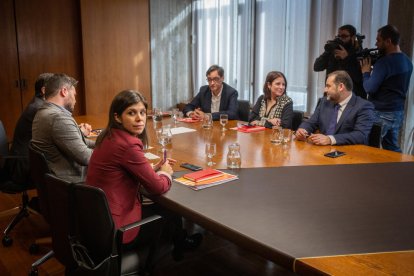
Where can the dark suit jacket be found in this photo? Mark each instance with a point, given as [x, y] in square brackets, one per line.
[354, 125]
[228, 102]
[18, 168]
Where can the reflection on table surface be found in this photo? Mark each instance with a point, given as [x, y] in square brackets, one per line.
[256, 148]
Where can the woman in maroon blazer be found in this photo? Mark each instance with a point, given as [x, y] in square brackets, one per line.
[118, 165]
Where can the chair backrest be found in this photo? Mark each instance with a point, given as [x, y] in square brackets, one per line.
[374, 138]
[4, 145]
[38, 169]
[58, 200]
[243, 110]
[95, 227]
[297, 119]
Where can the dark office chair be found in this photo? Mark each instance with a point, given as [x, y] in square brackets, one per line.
[297, 119]
[38, 169]
[7, 185]
[374, 138]
[96, 231]
[243, 110]
[57, 192]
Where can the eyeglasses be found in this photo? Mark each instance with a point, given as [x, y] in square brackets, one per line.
[210, 80]
[342, 36]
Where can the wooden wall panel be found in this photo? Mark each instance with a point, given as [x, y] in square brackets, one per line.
[116, 50]
[10, 102]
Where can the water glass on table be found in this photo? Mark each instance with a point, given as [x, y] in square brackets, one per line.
[207, 120]
[211, 151]
[175, 114]
[287, 135]
[224, 118]
[156, 114]
[277, 135]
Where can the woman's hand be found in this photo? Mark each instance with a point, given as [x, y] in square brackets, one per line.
[158, 166]
[166, 167]
[275, 121]
[254, 123]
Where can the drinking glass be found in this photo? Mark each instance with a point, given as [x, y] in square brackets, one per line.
[277, 135]
[163, 137]
[224, 118]
[156, 114]
[287, 135]
[207, 120]
[210, 152]
[175, 113]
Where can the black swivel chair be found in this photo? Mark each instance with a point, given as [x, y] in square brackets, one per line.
[7, 185]
[374, 138]
[38, 169]
[243, 110]
[57, 192]
[96, 231]
[297, 119]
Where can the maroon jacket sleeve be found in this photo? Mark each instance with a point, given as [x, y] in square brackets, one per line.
[138, 166]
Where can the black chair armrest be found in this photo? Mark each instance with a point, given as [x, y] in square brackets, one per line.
[120, 232]
[139, 223]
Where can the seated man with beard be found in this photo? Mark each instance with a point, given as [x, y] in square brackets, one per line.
[56, 134]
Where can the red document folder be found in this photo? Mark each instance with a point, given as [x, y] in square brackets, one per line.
[248, 129]
[203, 175]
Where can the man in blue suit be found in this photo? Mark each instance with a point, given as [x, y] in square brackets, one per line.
[216, 98]
[341, 118]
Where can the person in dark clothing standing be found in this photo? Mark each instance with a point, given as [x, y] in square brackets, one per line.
[341, 54]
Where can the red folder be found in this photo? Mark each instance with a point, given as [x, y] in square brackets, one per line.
[249, 129]
[189, 120]
[203, 175]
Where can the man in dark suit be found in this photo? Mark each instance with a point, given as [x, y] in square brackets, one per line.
[216, 98]
[341, 118]
[19, 167]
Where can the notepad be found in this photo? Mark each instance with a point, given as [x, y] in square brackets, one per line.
[200, 185]
[202, 175]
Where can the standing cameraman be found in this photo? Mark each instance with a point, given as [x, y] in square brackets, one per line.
[340, 54]
[387, 84]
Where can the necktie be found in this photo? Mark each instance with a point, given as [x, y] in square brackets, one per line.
[332, 122]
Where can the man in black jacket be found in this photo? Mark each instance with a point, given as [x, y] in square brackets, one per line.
[340, 54]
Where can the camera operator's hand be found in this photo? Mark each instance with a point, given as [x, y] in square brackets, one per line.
[341, 53]
[365, 65]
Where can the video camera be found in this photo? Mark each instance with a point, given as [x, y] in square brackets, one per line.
[372, 53]
[332, 45]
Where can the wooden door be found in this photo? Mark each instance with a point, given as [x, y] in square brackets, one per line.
[49, 40]
[37, 36]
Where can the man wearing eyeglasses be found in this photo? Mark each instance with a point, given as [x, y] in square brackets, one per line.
[216, 98]
[56, 134]
[340, 54]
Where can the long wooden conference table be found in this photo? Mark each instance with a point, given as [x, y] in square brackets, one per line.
[293, 207]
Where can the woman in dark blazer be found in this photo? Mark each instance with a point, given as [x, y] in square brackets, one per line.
[274, 108]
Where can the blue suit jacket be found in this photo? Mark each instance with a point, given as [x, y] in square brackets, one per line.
[354, 125]
[228, 102]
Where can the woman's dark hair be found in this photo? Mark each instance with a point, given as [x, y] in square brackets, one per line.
[119, 104]
[271, 76]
